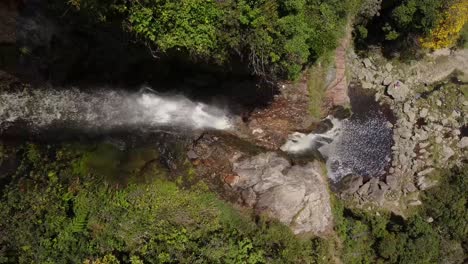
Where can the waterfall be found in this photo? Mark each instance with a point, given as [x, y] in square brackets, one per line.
[299, 143]
[107, 109]
[358, 145]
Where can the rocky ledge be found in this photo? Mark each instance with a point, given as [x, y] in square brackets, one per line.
[427, 133]
[296, 195]
[270, 126]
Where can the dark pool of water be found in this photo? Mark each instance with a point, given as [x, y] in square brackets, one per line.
[366, 141]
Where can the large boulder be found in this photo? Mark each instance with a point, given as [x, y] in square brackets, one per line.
[398, 91]
[295, 195]
[463, 144]
[447, 153]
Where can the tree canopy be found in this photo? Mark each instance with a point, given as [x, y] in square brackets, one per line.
[99, 204]
[412, 24]
[275, 38]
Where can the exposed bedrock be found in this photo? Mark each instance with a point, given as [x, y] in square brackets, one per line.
[296, 195]
[269, 183]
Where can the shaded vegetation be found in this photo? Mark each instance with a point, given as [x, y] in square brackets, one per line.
[60, 209]
[406, 26]
[448, 205]
[274, 38]
[383, 238]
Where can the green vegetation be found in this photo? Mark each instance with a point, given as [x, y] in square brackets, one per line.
[60, 209]
[447, 205]
[275, 38]
[369, 238]
[317, 86]
[463, 41]
[80, 203]
[403, 25]
[383, 238]
[100, 204]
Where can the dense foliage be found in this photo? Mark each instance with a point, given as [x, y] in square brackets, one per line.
[383, 238]
[275, 38]
[449, 26]
[62, 206]
[411, 24]
[100, 204]
[378, 238]
[448, 205]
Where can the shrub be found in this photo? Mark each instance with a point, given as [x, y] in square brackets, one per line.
[447, 204]
[407, 25]
[448, 28]
[58, 216]
[275, 38]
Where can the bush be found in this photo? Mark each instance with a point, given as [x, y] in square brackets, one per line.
[447, 204]
[449, 25]
[275, 38]
[407, 25]
[60, 215]
[370, 238]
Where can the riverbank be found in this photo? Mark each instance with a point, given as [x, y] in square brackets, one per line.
[427, 132]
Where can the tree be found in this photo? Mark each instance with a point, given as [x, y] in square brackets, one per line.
[276, 39]
[60, 209]
[406, 25]
[448, 28]
[447, 204]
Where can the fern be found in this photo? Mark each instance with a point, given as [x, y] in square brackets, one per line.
[79, 222]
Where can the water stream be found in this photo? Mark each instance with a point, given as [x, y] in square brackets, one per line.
[104, 109]
[358, 145]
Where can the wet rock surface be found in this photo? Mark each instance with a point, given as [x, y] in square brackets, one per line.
[426, 133]
[288, 112]
[268, 182]
[337, 90]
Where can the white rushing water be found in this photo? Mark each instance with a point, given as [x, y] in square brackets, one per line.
[299, 143]
[359, 146]
[107, 109]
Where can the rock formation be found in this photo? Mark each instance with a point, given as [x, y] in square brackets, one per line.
[295, 195]
[337, 91]
[427, 130]
[271, 126]
[267, 182]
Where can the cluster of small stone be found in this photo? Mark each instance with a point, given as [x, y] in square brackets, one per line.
[427, 131]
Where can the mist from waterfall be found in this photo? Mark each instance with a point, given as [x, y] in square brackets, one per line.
[103, 109]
